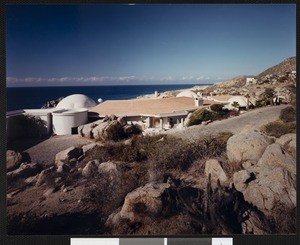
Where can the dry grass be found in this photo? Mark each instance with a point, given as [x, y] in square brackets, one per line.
[279, 128]
[288, 114]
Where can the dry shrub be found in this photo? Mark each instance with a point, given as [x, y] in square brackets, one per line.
[171, 153]
[201, 115]
[115, 132]
[288, 114]
[231, 167]
[284, 220]
[107, 191]
[279, 128]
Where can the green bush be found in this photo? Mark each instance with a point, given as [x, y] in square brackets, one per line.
[201, 115]
[216, 107]
[279, 128]
[288, 114]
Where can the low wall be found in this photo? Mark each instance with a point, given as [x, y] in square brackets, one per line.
[28, 123]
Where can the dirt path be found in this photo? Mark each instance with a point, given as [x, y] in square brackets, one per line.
[255, 118]
[45, 151]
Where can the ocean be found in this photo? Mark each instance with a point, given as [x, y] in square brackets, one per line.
[36, 97]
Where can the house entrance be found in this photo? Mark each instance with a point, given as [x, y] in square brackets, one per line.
[156, 122]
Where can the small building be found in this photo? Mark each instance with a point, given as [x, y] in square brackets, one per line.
[241, 100]
[64, 119]
[187, 93]
[251, 80]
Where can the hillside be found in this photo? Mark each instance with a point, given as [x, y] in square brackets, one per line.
[281, 77]
[288, 65]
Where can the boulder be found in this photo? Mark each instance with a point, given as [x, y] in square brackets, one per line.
[271, 182]
[144, 200]
[272, 186]
[31, 180]
[90, 168]
[112, 117]
[240, 179]
[213, 167]
[46, 176]
[276, 156]
[285, 139]
[14, 159]
[110, 130]
[292, 147]
[89, 147]
[107, 167]
[122, 121]
[247, 147]
[249, 128]
[131, 129]
[68, 154]
[86, 130]
[187, 120]
[25, 170]
[62, 167]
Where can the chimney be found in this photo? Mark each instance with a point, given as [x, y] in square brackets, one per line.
[199, 101]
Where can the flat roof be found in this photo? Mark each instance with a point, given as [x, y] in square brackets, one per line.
[156, 106]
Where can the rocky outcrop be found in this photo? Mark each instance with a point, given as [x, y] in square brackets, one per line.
[90, 168]
[110, 128]
[46, 176]
[52, 103]
[247, 147]
[270, 183]
[86, 129]
[276, 156]
[292, 147]
[14, 159]
[145, 200]
[68, 155]
[213, 168]
[90, 147]
[285, 139]
[24, 171]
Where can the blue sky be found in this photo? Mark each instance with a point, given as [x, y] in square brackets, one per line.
[145, 44]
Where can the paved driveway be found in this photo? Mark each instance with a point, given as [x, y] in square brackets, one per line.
[255, 118]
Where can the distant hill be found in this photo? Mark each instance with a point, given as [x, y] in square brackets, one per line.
[288, 65]
[279, 77]
[239, 81]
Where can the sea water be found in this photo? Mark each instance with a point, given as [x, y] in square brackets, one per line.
[36, 97]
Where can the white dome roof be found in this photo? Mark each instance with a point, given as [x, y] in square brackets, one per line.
[76, 101]
[240, 99]
[187, 93]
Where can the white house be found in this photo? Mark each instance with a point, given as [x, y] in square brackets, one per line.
[251, 80]
[70, 112]
[161, 113]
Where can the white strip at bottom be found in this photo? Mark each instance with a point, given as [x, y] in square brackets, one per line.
[222, 241]
[94, 241]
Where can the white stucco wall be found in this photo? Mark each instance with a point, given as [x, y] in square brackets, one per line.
[65, 120]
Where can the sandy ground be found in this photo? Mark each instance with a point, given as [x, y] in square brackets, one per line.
[254, 119]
